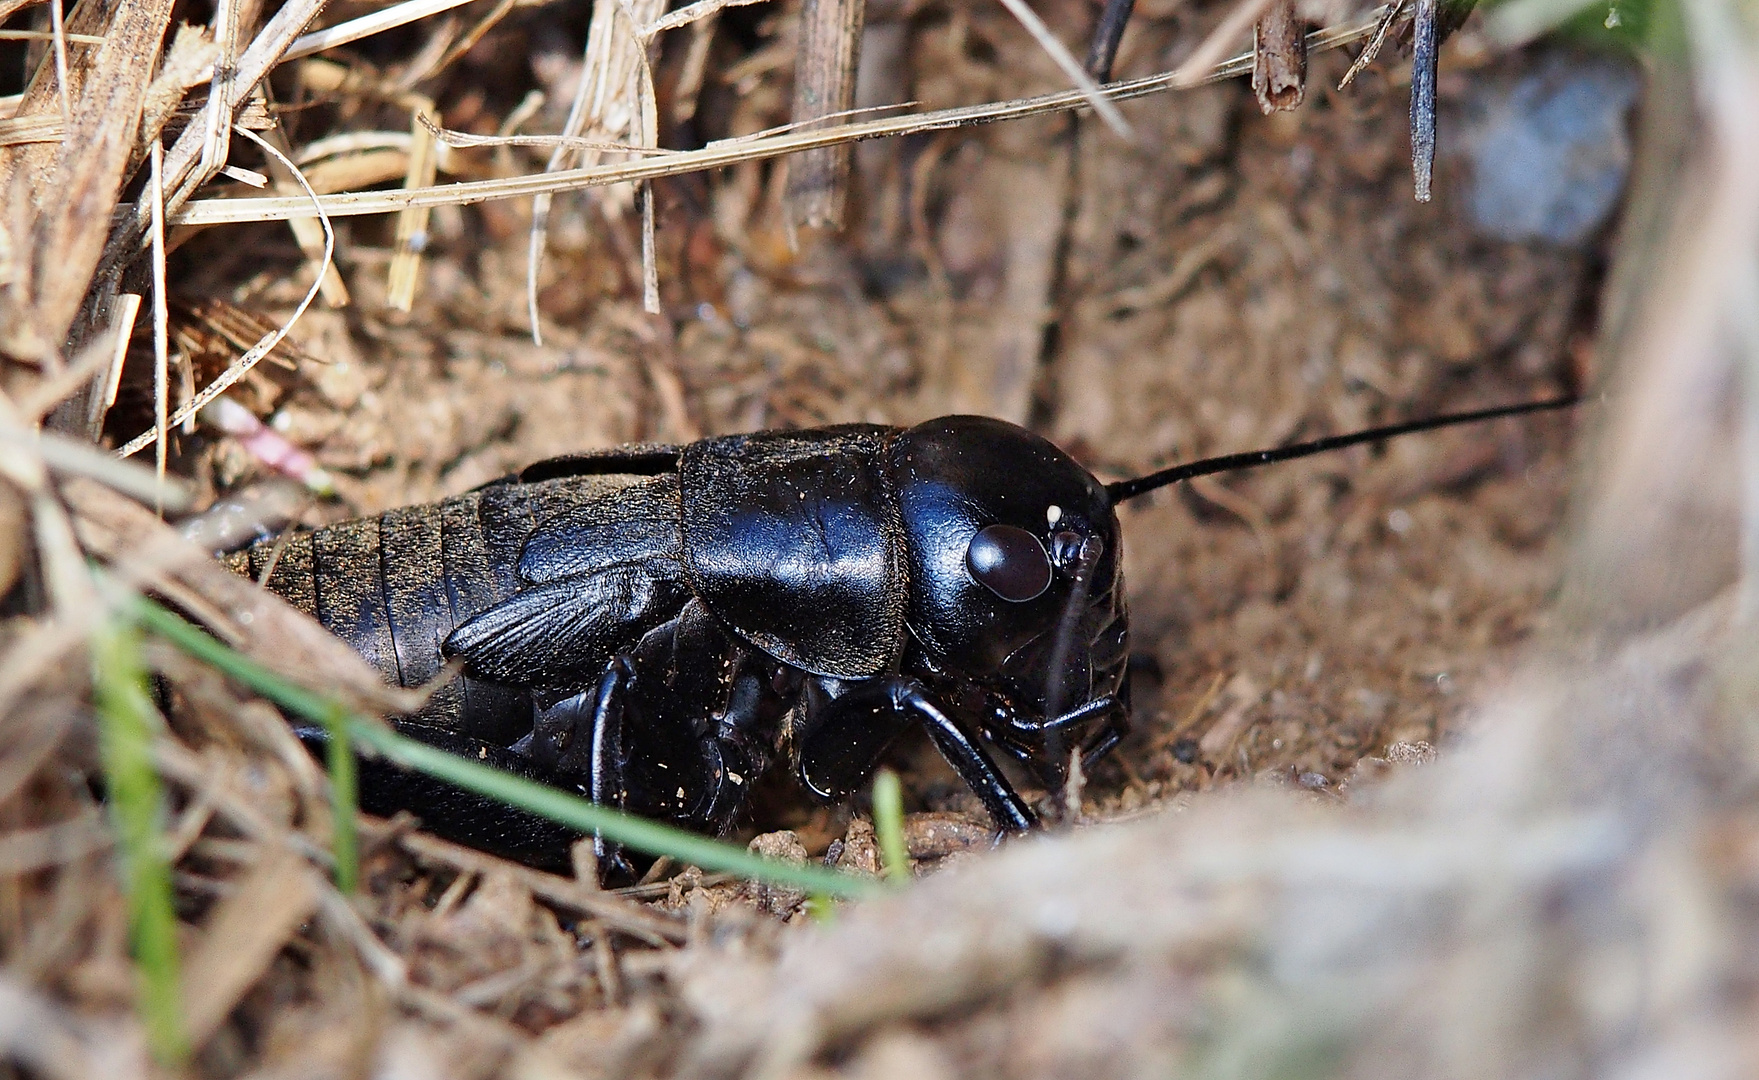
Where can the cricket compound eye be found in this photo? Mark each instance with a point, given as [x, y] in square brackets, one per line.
[1009, 562]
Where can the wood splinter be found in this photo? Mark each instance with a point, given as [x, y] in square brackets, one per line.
[1279, 58]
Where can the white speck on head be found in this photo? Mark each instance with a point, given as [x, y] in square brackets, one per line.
[680, 793]
[735, 777]
[1053, 513]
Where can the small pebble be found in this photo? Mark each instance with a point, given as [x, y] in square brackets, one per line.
[1551, 152]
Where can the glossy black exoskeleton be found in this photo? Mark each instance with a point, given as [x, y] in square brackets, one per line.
[657, 626]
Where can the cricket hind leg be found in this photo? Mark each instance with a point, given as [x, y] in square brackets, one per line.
[675, 730]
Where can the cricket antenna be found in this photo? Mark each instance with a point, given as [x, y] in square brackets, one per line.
[1142, 485]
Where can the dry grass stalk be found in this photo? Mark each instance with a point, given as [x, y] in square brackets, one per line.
[693, 14]
[213, 783]
[186, 65]
[165, 105]
[161, 313]
[243, 365]
[1389, 15]
[104, 394]
[608, 106]
[1059, 53]
[468, 40]
[182, 174]
[217, 138]
[1196, 67]
[72, 457]
[649, 136]
[581, 896]
[1279, 59]
[37, 400]
[412, 224]
[58, 34]
[27, 851]
[40, 1035]
[40, 128]
[243, 933]
[448, 137]
[387, 18]
[39, 35]
[57, 197]
[825, 62]
[722, 155]
[694, 68]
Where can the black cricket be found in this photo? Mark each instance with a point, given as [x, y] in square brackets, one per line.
[656, 626]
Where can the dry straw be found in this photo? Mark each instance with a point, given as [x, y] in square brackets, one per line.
[720, 155]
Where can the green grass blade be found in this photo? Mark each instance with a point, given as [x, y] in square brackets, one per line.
[127, 721]
[584, 815]
[344, 842]
[888, 825]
